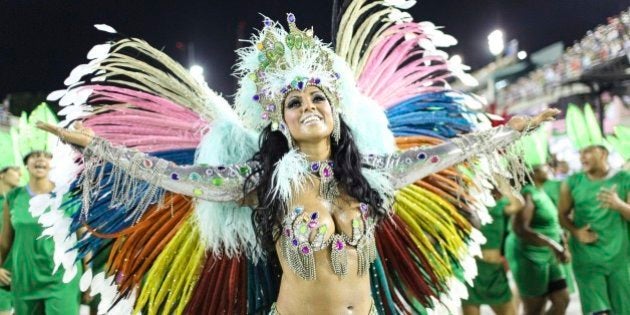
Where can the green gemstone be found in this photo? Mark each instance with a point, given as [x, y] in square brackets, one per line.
[355, 223]
[322, 229]
[303, 229]
[197, 192]
[298, 41]
[244, 170]
[194, 176]
[290, 41]
[217, 181]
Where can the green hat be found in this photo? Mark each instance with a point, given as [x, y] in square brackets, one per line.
[11, 155]
[31, 138]
[621, 141]
[582, 127]
[535, 146]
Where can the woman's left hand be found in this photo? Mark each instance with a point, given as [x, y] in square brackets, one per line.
[520, 123]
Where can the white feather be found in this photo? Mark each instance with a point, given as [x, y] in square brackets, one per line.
[55, 95]
[289, 175]
[225, 227]
[99, 51]
[105, 28]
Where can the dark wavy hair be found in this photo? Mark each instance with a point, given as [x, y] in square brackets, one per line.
[268, 213]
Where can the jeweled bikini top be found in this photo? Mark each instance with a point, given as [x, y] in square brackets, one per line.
[297, 248]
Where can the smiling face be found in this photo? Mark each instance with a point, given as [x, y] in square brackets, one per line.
[38, 164]
[308, 115]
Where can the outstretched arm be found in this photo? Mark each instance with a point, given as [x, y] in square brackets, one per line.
[413, 164]
[215, 183]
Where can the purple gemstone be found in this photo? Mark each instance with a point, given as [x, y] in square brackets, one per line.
[267, 21]
[290, 18]
[265, 116]
[282, 127]
[314, 167]
[422, 156]
[317, 80]
[327, 172]
[337, 75]
[271, 108]
[339, 245]
[363, 207]
[294, 242]
[314, 216]
[435, 159]
[287, 232]
[174, 176]
[256, 97]
[284, 90]
[330, 163]
[221, 168]
[300, 85]
[312, 224]
[305, 250]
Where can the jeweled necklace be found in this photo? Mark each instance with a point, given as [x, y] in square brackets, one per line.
[327, 183]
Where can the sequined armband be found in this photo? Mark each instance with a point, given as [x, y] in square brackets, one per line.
[131, 168]
[415, 163]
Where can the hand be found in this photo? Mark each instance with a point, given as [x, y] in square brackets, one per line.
[520, 123]
[80, 136]
[609, 199]
[585, 235]
[5, 277]
[563, 256]
[86, 298]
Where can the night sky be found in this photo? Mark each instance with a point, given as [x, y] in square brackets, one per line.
[41, 41]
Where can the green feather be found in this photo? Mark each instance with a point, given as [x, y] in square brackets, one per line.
[592, 126]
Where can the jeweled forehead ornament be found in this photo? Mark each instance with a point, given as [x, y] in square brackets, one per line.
[277, 63]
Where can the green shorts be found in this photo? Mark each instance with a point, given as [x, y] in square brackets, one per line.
[6, 299]
[533, 278]
[601, 292]
[490, 287]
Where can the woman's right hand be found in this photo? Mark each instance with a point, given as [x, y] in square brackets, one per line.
[80, 136]
[5, 277]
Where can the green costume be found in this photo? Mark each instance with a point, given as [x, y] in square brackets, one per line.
[491, 285]
[536, 267]
[36, 290]
[602, 268]
[552, 188]
[6, 298]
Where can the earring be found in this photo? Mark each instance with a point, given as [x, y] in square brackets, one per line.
[336, 132]
[285, 131]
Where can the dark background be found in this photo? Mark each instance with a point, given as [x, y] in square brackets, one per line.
[41, 41]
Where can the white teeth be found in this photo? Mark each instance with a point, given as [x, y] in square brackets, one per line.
[310, 119]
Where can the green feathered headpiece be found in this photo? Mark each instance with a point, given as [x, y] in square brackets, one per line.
[31, 138]
[535, 146]
[10, 153]
[621, 141]
[582, 127]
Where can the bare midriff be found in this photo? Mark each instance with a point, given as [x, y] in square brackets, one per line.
[328, 293]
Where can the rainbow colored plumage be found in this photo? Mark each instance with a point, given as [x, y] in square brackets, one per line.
[172, 257]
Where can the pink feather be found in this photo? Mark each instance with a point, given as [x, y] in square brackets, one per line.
[144, 121]
[397, 68]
